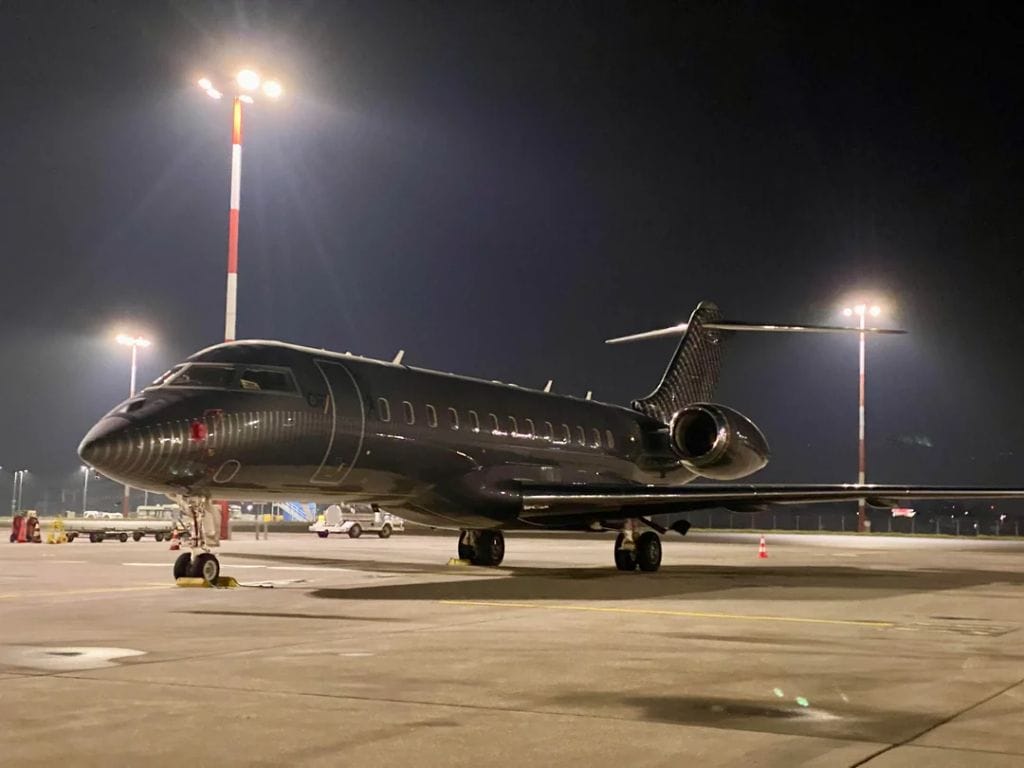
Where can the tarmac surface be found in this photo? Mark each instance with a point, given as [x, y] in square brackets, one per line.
[834, 651]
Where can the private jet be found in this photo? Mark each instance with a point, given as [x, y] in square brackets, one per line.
[271, 421]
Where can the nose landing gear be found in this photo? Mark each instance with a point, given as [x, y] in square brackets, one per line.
[199, 562]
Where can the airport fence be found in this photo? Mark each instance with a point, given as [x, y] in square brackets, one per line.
[881, 521]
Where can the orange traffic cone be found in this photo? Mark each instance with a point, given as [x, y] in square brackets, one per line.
[762, 548]
[175, 544]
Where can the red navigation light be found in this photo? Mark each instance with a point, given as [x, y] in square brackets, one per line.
[198, 431]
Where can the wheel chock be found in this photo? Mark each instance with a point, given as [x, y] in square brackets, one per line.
[458, 561]
[223, 582]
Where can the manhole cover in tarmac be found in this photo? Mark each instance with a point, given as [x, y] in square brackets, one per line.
[975, 627]
[67, 659]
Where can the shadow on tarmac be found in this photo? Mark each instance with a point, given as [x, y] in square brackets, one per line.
[689, 582]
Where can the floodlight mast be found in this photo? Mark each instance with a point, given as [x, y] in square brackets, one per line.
[861, 310]
[245, 82]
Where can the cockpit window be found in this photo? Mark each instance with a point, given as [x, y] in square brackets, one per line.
[202, 375]
[162, 379]
[219, 376]
[263, 380]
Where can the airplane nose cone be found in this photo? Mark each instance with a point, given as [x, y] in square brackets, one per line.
[106, 444]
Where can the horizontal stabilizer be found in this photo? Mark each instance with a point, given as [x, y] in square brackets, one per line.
[680, 329]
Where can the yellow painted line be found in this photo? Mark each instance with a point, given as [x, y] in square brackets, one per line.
[72, 592]
[683, 614]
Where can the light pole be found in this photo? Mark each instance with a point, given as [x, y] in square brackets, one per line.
[19, 484]
[85, 489]
[14, 492]
[245, 84]
[134, 342]
[861, 310]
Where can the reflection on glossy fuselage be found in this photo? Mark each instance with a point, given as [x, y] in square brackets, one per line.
[269, 421]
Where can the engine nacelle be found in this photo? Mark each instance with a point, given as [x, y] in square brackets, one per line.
[717, 442]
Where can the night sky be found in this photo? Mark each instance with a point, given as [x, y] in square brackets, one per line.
[498, 187]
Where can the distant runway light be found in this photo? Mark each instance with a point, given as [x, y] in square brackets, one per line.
[213, 93]
[205, 84]
[246, 98]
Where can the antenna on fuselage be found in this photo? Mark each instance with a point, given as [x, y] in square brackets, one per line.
[590, 394]
[398, 357]
[547, 387]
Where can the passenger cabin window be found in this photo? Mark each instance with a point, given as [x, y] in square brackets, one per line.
[383, 409]
[262, 380]
[566, 437]
[513, 426]
[410, 414]
[581, 436]
[453, 418]
[596, 435]
[610, 438]
[530, 429]
[202, 375]
[431, 416]
[495, 428]
[474, 421]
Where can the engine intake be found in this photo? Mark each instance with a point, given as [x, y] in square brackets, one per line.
[717, 442]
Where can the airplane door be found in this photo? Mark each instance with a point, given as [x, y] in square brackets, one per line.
[348, 419]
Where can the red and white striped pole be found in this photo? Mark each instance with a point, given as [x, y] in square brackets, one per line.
[231, 305]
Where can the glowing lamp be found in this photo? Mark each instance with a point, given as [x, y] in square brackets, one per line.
[248, 80]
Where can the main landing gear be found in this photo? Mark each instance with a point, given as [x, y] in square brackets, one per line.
[199, 562]
[633, 550]
[482, 547]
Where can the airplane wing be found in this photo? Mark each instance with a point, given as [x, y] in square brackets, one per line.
[557, 501]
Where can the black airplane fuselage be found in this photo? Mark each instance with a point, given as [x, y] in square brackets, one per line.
[265, 421]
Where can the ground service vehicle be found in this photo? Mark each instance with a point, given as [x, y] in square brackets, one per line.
[356, 519]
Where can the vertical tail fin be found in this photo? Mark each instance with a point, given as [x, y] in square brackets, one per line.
[692, 374]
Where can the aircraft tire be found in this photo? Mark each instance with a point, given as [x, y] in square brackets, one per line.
[385, 532]
[625, 559]
[181, 565]
[648, 552]
[205, 566]
[490, 549]
[466, 551]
